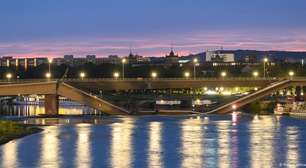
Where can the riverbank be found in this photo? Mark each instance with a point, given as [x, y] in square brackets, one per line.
[10, 130]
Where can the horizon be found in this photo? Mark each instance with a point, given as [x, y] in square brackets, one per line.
[53, 29]
[126, 55]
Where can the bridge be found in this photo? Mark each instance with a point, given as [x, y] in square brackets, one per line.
[73, 89]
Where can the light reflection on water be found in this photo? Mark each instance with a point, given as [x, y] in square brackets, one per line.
[9, 155]
[155, 148]
[262, 139]
[83, 146]
[163, 141]
[121, 146]
[192, 145]
[50, 149]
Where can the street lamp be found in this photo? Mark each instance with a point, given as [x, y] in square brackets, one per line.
[153, 75]
[49, 64]
[255, 74]
[116, 75]
[265, 60]
[291, 74]
[187, 74]
[223, 74]
[48, 75]
[195, 62]
[8, 76]
[82, 75]
[123, 61]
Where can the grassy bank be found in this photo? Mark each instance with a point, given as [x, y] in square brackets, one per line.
[10, 130]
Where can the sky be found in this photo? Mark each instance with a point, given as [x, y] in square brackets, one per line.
[54, 28]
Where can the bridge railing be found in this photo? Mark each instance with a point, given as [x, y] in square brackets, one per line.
[151, 79]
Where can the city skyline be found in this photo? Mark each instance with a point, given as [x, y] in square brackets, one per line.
[53, 29]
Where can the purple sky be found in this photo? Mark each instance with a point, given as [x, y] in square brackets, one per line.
[54, 28]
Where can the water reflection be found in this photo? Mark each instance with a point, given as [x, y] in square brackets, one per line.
[155, 148]
[224, 146]
[292, 151]
[9, 157]
[261, 141]
[192, 143]
[121, 143]
[166, 142]
[50, 149]
[83, 155]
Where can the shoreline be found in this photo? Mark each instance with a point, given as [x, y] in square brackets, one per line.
[11, 130]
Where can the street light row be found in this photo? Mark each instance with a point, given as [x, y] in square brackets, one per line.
[116, 75]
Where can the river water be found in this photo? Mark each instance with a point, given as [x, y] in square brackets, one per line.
[160, 141]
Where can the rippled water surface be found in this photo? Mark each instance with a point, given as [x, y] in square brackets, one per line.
[161, 141]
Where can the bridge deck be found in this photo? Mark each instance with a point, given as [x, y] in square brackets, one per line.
[251, 97]
[67, 90]
[62, 89]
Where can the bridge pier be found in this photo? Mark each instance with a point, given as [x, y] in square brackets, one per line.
[304, 91]
[298, 95]
[51, 104]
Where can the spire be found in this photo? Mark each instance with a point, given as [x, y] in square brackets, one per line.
[131, 53]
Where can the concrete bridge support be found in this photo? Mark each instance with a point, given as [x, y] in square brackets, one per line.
[304, 91]
[51, 104]
[298, 95]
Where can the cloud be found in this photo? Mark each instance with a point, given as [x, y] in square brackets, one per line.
[187, 43]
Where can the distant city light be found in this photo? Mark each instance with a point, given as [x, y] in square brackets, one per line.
[116, 75]
[291, 73]
[195, 60]
[153, 74]
[9, 75]
[48, 75]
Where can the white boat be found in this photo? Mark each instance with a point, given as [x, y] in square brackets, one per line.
[291, 108]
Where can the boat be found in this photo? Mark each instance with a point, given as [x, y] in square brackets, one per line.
[295, 108]
[39, 100]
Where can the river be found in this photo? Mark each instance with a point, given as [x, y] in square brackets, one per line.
[159, 141]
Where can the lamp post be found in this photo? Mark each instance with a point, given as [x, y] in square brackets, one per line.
[223, 74]
[8, 76]
[154, 75]
[265, 60]
[186, 74]
[123, 61]
[82, 75]
[255, 74]
[49, 64]
[48, 75]
[291, 74]
[116, 75]
[195, 62]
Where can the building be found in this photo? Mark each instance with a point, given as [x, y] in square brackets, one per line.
[5, 61]
[91, 57]
[8, 61]
[68, 57]
[172, 59]
[219, 56]
[250, 59]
